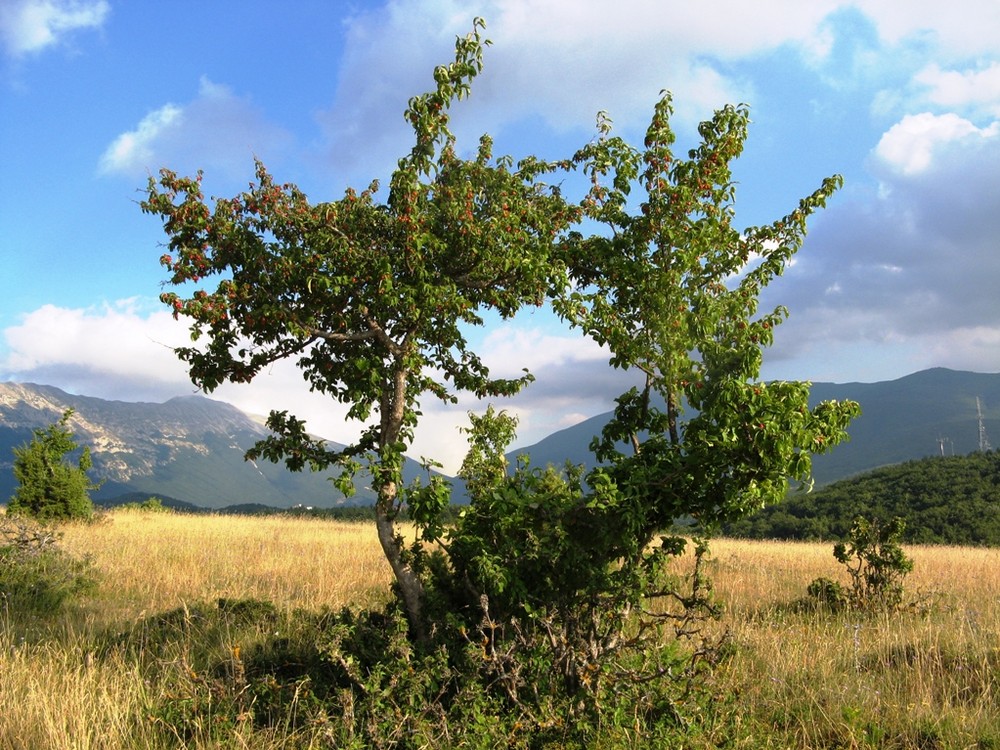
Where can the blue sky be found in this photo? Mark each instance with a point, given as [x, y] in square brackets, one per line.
[900, 273]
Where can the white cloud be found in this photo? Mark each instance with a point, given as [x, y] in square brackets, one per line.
[509, 348]
[218, 130]
[29, 26]
[961, 28]
[133, 151]
[554, 64]
[961, 89]
[111, 351]
[909, 146]
[123, 351]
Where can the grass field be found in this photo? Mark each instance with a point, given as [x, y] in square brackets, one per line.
[924, 677]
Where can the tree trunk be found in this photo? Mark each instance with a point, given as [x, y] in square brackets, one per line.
[393, 409]
[410, 587]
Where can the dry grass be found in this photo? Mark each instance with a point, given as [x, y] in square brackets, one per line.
[151, 562]
[926, 677]
[55, 694]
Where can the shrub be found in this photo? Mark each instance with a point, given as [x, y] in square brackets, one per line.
[828, 592]
[37, 577]
[875, 563]
[353, 679]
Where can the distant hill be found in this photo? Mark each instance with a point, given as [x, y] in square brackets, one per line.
[943, 500]
[924, 414]
[189, 449]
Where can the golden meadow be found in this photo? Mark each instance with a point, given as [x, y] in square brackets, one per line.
[924, 677]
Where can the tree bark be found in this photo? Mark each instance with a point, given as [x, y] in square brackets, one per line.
[410, 588]
[393, 408]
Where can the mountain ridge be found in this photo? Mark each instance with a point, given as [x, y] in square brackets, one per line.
[189, 447]
[901, 419]
[192, 447]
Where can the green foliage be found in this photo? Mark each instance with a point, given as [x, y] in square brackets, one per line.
[37, 577]
[673, 292]
[50, 488]
[427, 504]
[875, 563]
[549, 608]
[485, 465]
[828, 592]
[149, 505]
[354, 680]
[562, 600]
[942, 500]
[558, 573]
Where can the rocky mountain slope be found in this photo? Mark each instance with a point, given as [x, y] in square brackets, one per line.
[189, 448]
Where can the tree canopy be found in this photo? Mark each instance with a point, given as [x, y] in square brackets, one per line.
[941, 500]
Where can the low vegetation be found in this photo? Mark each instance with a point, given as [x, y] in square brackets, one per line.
[177, 642]
[876, 566]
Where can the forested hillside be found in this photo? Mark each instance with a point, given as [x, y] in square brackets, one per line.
[944, 500]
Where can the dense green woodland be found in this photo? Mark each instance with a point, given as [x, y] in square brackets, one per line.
[944, 500]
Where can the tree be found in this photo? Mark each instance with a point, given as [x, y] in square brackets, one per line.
[548, 578]
[49, 487]
[369, 298]
[567, 565]
[673, 292]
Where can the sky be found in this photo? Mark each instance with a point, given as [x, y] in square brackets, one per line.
[900, 273]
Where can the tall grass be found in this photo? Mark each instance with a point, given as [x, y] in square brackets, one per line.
[924, 677]
[794, 676]
[156, 561]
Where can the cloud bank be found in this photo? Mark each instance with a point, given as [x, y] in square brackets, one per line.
[913, 264]
[122, 351]
[30, 26]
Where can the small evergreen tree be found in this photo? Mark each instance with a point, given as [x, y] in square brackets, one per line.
[49, 486]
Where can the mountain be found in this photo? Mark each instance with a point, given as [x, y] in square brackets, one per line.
[189, 448]
[928, 413]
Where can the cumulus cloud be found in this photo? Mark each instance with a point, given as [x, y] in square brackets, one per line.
[30, 26]
[118, 351]
[554, 64]
[910, 146]
[913, 265]
[218, 130]
[123, 351]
